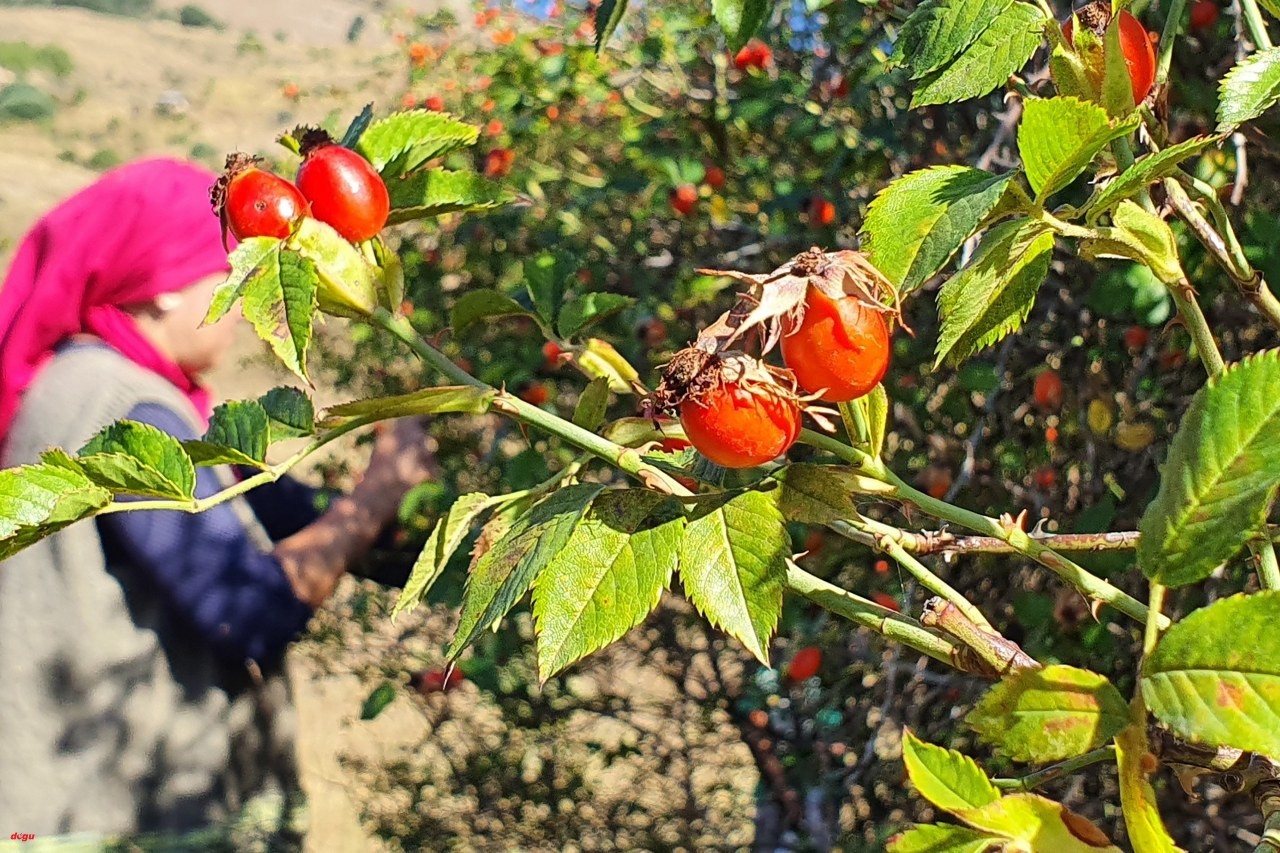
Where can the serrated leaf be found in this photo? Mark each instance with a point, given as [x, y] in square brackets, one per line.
[240, 430]
[377, 701]
[480, 305]
[733, 563]
[49, 493]
[592, 404]
[504, 573]
[821, 494]
[608, 15]
[245, 260]
[1138, 803]
[546, 277]
[1221, 475]
[1039, 824]
[1059, 137]
[138, 459]
[942, 838]
[590, 308]
[939, 30]
[1002, 49]
[1116, 90]
[951, 781]
[466, 399]
[992, 296]
[446, 537]
[739, 19]
[1249, 89]
[346, 283]
[290, 411]
[916, 224]
[401, 142]
[599, 358]
[607, 578]
[1144, 172]
[440, 191]
[1049, 714]
[280, 301]
[1214, 677]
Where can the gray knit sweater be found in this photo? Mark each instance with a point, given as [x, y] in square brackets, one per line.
[114, 718]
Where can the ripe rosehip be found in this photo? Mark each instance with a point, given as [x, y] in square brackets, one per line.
[754, 54]
[536, 394]
[344, 189]
[886, 601]
[1047, 390]
[436, 680]
[1204, 14]
[714, 177]
[805, 664]
[1135, 43]
[1136, 337]
[1046, 477]
[821, 211]
[551, 355]
[840, 347]
[881, 567]
[435, 103]
[252, 202]
[741, 425]
[684, 199]
[497, 163]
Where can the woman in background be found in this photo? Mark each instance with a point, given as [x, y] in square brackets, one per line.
[141, 653]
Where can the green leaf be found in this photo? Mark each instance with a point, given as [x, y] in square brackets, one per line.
[917, 223]
[358, 126]
[446, 537]
[378, 700]
[347, 284]
[1249, 89]
[1059, 137]
[1050, 714]
[1138, 802]
[245, 260]
[546, 277]
[590, 308]
[733, 562]
[739, 19]
[821, 494]
[608, 15]
[480, 305]
[607, 578]
[939, 30]
[1214, 677]
[877, 410]
[138, 459]
[951, 781]
[401, 142]
[1002, 49]
[290, 411]
[992, 296]
[1116, 90]
[1144, 172]
[504, 573]
[440, 191]
[599, 358]
[1039, 825]
[592, 404]
[1221, 475]
[280, 301]
[241, 430]
[466, 399]
[942, 838]
[49, 493]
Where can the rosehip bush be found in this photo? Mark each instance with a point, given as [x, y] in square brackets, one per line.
[1008, 175]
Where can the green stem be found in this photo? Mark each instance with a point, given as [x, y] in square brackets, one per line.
[886, 539]
[268, 475]
[1268, 567]
[1172, 25]
[1155, 604]
[1057, 771]
[623, 458]
[1256, 24]
[871, 615]
[1193, 318]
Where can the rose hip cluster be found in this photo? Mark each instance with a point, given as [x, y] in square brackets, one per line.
[825, 312]
[335, 185]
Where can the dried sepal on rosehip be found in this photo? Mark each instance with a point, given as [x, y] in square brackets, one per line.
[736, 411]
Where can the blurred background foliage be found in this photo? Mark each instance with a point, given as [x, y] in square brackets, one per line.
[636, 168]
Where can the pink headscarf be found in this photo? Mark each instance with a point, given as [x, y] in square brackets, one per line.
[141, 230]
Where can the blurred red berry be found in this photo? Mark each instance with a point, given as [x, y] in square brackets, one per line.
[886, 601]
[435, 102]
[1136, 337]
[684, 199]
[1047, 390]
[1204, 14]
[805, 664]
[714, 177]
